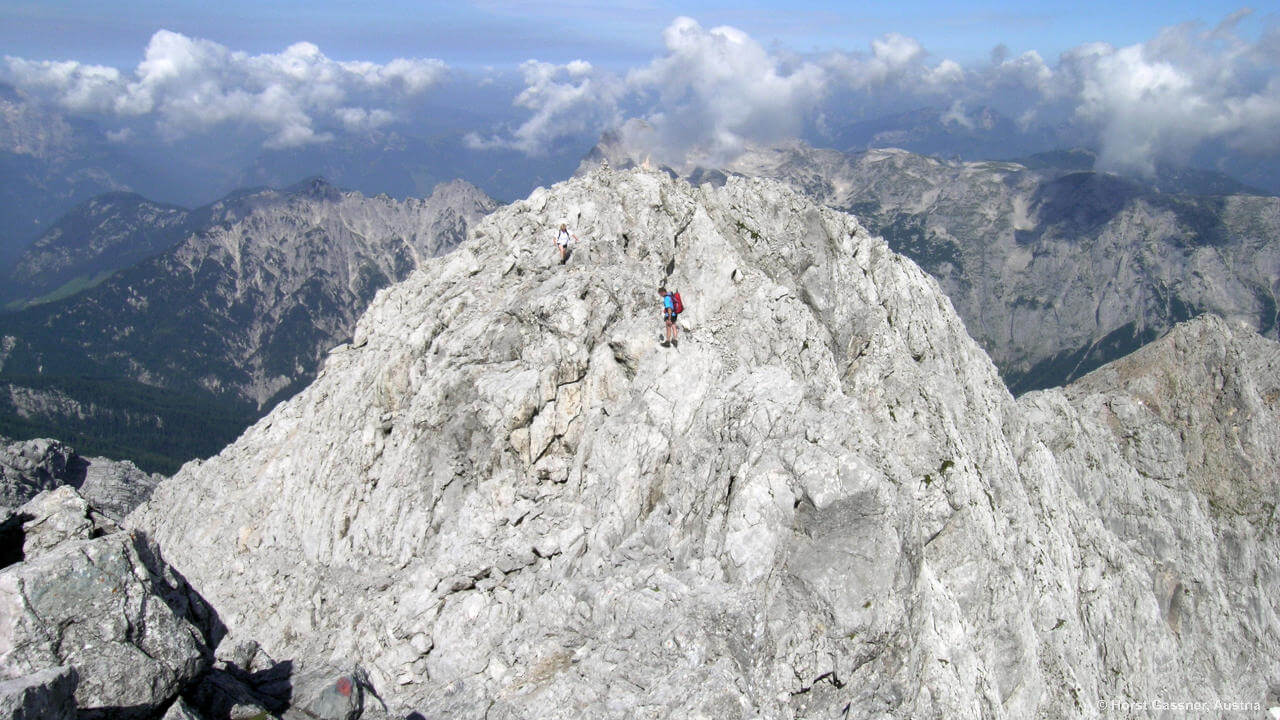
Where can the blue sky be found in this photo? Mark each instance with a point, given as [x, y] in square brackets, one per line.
[619, 34]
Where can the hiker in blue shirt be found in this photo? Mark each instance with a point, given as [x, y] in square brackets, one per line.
[670, 312]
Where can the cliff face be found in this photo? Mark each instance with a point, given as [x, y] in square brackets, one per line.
[505, 499]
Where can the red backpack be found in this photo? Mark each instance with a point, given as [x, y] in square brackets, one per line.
[675, 298]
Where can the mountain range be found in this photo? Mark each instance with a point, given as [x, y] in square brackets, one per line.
[51, 161]
[172, 356]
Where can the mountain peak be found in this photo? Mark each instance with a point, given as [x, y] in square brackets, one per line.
[316, 187]
[505, 493]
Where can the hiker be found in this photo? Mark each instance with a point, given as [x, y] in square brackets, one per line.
[671, 308]
[562, 242]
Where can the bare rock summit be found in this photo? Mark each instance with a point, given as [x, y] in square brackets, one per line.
[505, 499]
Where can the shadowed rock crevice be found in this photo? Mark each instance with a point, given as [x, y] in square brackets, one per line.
[12, 537]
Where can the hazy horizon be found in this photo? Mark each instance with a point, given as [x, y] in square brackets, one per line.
[507, 95]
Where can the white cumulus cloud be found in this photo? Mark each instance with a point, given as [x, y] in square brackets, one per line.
[895, 61]
[717, 89]
[190, 85]
[564, 100]
[1160, 99]
[712, 91]
[709, 94]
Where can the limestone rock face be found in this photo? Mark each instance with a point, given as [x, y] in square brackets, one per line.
[1176, 450]
[104, 604]
[505, 499]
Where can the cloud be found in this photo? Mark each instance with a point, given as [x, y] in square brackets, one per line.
[190, 85]
[715, 90]
[895, 61]
[718, 89]
[78, 87]
[956, 115]
[710, 93]
[1137, 105]
[565, 100]
[1159, 100]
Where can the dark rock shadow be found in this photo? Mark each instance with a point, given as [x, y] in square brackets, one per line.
[227, 692]
[76, 471]
[11, 538]
[170, 586]
[118, 712]
[1082, 201]
[274, 685]
[1201, 217]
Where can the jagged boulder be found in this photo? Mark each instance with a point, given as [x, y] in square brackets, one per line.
[505, 499]
[29, 467]
[324, 692]
[58, 516]
[116, 487]
[106, 605]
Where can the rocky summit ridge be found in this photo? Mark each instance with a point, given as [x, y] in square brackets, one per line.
[1055, 269]
[505, 499]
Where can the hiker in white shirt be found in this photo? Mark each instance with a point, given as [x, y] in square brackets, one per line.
[562, 242]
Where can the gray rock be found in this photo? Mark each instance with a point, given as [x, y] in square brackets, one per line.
[116, 487]
[505, 499]
[109, 608]
[182, 710]
[57, 516]
[326, 693]
[44, 695]
[29, 467]
[237, 652]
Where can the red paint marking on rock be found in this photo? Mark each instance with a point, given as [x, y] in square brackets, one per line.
[344, 687]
